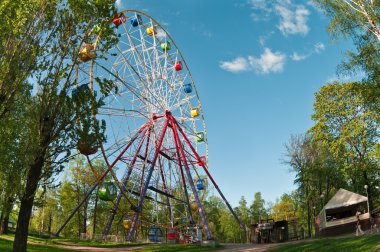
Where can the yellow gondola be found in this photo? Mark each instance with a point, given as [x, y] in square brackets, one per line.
[87, 52]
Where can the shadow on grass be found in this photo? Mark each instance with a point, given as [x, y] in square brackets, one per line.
[98, 244]
[363, 244]
[178, 247]
[6, 246]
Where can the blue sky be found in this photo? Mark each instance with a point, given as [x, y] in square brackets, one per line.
[256, 65]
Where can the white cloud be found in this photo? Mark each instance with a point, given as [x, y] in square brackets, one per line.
[293, 19]
[298, 57]
[261, 10]
[118, 3]
[237, 65]
[258, 4]
[316, 6]
[161, 34]
[268, 62]
[264, 38]
[319, 47]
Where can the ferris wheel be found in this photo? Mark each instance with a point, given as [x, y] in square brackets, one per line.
[155, 141]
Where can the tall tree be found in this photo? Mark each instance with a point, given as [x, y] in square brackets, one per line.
[348, 127]
[20, 24]
[317, 173]
[13, 145]
[360, 20]
[257, 208]
[54, 122]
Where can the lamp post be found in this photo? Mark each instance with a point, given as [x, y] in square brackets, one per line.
[366, 191]
[315, 221]
[322, 200]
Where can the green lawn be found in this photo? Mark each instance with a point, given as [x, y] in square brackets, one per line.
[368, 243]
[98, 244]
[178, 247]
[6, 246]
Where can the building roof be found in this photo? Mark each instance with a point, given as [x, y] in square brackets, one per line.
[344, 198]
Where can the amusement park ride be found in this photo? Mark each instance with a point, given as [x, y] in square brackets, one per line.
[155, 131]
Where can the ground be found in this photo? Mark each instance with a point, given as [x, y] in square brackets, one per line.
[367, 243]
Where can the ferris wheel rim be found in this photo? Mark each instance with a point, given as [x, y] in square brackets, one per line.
[185, 65]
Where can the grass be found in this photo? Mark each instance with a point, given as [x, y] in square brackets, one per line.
[47, 245]
[177, 247]
[98, 244]
[6, 246]
[368, 243]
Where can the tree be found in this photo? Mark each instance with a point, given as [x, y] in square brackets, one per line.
[215, 208]
[360, 20]
[317, 173]
[53, 119]
[348, 126]
[257, 208]
[285, 208]
[19, 47]
[13, 145]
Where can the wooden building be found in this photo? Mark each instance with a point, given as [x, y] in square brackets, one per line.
[338, 216]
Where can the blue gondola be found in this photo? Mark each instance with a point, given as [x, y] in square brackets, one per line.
[188, 88]
[155, 234]
[200, 184]
[136, 21]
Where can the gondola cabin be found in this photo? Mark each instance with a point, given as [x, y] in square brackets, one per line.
[88, 145]
[155, 234]
[107, 191]
[96, 28]
[165, 46]
[187, 88]
[136, 21]
[194, 112]
[173, 234]
[127, 223]
[200, 137]
[87, 52]
[178, 65]
[203, 161]
[151, 30]
[200, 184]
[194, 206]
[119, 20]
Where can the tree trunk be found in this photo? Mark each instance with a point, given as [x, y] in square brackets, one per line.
[33, 177]
[6, 223]
[309, 219]
[85, 206]
[1, 222]
[94, 220]
[50, 222]
[5, 215]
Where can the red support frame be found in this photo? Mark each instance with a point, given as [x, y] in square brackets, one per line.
[209, 175]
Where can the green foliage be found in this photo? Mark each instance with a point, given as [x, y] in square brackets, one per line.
[257, 208]
[360, 21]
[348, 126]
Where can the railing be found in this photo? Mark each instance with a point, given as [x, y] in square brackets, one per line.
[343, 221]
